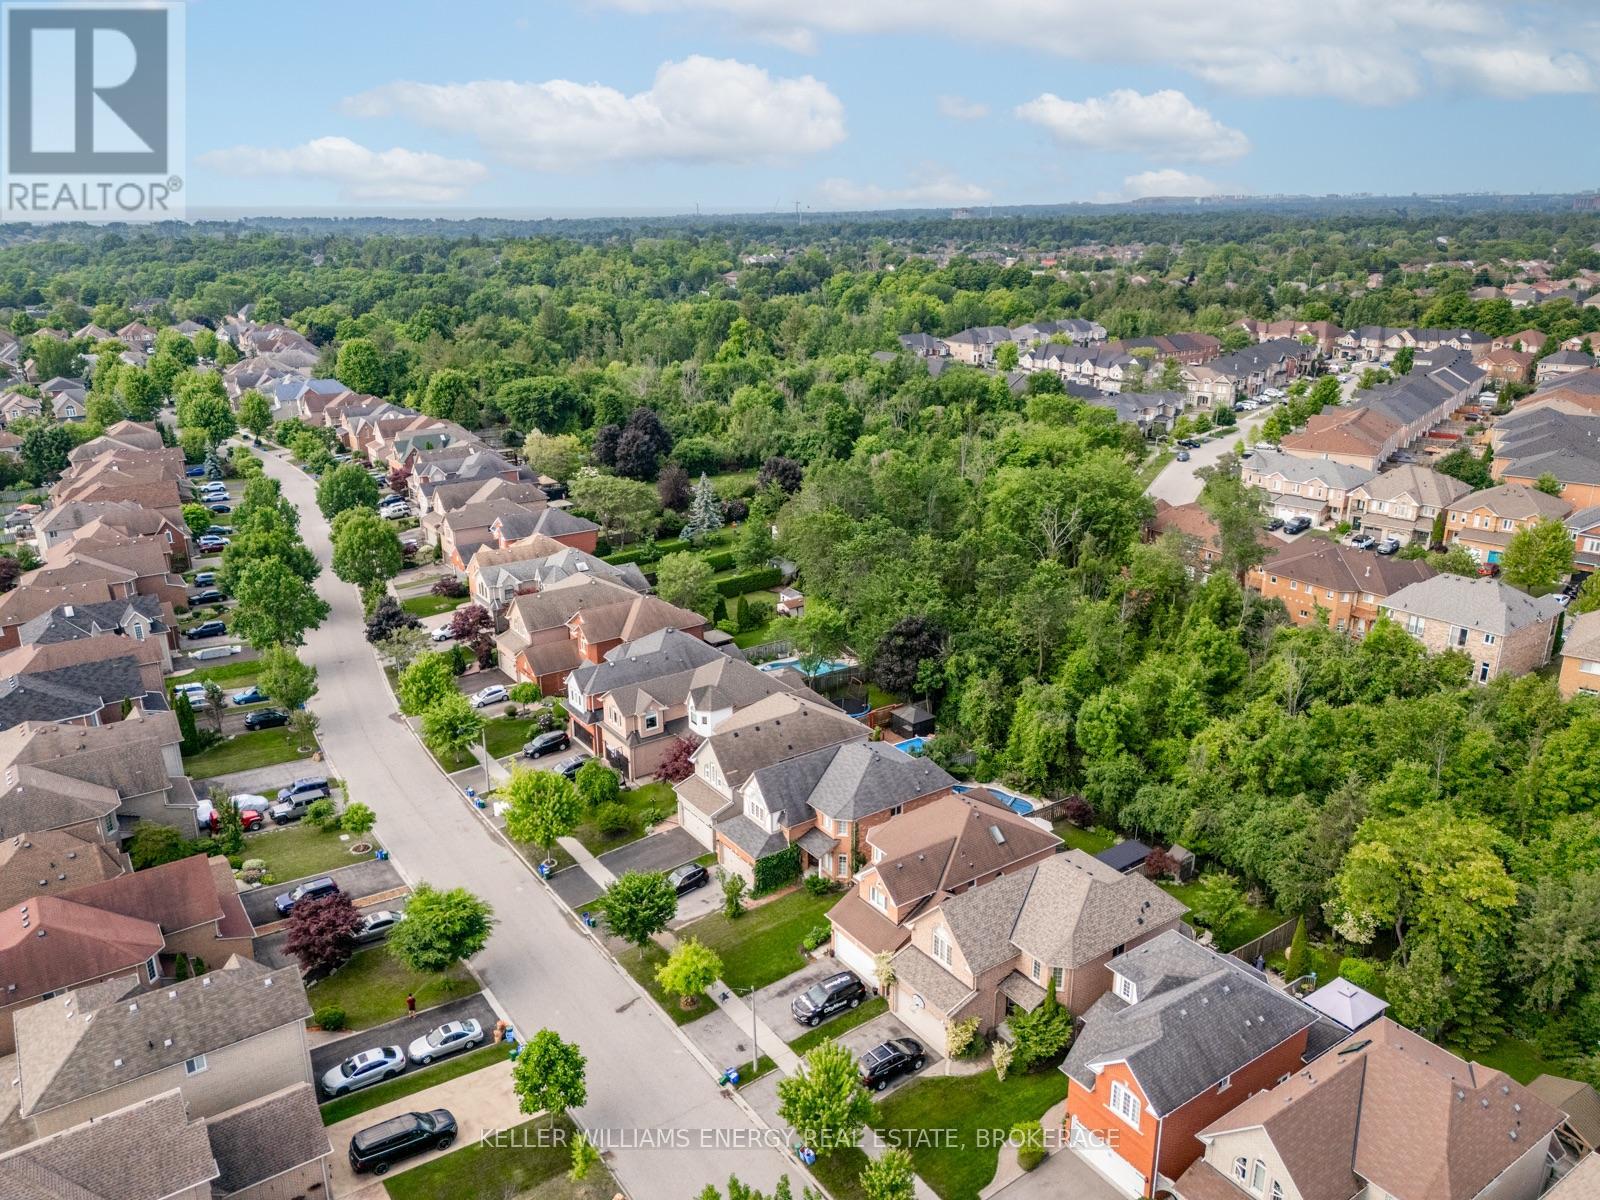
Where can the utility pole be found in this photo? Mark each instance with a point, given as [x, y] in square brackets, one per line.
[755, 1046]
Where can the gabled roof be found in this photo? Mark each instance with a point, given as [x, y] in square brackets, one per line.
[51, 942]
[1422, 485]
[949, 843]
[1515, 500]
[1582, 638]
[846, 781]
[654, 656]
[779, 727]
[264, 1138]
[174, 896]
[70, 692]
[53, 861]
[1480, 603]
[1329, 566]
[1296, 469]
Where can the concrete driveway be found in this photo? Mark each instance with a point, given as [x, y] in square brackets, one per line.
[360, 879]
[575, 886]
[263, 781]
[403, 1032]
[269, 946]
[658, 852]
[772, 1001]
[1062, 1176]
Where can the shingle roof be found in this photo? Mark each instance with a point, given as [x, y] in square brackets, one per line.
[53, 861]
[267, 1137]
[1296, 469]
[68, 692]
[654, 656]
[855, 779]
[1418, 483]
[915, 972]
[1329, 566]
[1480, 603]
[778, 727]
[946, 844]
[51, 942]
[1515, 500]
[1582, 638]
[174, 896]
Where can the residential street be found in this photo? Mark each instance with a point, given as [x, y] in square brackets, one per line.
[642, 1079]
[1178, 483]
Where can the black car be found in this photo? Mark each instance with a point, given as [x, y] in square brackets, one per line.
[1275, 523]
[209, 596]
[1363, 541]
[1189, 443]
[831, 995]
[208, 629]
[266, 718]
[220, 508]
[890, 1060]
[380, 1146]
[547, 743]
[311, 889]
[688, 877]
[1298, 525]
[570, 768]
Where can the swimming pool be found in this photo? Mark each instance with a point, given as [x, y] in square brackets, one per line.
[914, 745]
[825, 668]
[1017, 804]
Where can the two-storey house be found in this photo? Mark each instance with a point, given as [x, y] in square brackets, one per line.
[1404, 504]
[1317, 580]
[1484, 522]
[1295, 486]
[1501, 630]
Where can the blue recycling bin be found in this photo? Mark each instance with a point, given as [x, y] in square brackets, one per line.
[544, 870]
[381, 854]
[588, 920]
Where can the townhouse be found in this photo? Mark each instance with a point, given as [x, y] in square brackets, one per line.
[1357, 436]
[1506, 365]
[1202, 540]
[1223, 381]
[1560, 364]
[944, 847]
[1324, 335]
[976, 346]
[1484, 522]
[461, 532]
[54, 860]
[923, 345]
[1405, 504]
[1584, 526]
[1325, 581]
[1295, 486]
[1501, 631]
[1104, 368]
[64, 522]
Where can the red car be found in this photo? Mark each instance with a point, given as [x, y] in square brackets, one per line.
[210, 820]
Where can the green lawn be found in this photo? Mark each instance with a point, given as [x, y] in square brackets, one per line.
[1090, 841]
[763, 945]
[240, 672]
[415, 1080]
[839, 1025]
[772, 631]
[764, 1066]
[428, 605]
[245, 752]
[642, 966]
[507, 735]
[840, 1173]
[959, 1167]
[1324, 961]
[638, 801]
[372, 987]
[530, 1160]
[1256, 921]
[1517, 1057]
[301, 849]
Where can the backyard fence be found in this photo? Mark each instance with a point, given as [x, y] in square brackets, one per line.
[767, 651]
[1269, 942]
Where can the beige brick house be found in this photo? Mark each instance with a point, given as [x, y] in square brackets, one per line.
[1501, 630]
[1580, 656]
[1404, 503]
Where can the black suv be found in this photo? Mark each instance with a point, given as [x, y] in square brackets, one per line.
[889, 1061]
[823, 999]
[207, 629]
[547, 743]
[380, 1146]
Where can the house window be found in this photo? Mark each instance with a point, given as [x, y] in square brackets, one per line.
[1294, 585]
[1227, 1082]
[1414, 625]
[1461, 637]
[1038, 970]
[941, 945]
[1125, 1104]
[843, 867]
[1277, 1190]
[1483, 672]
[652, 720]
[1488, 639]
[875, 894]
[152, 969]
[1126, 990]
[194, 1065]
[109, 825]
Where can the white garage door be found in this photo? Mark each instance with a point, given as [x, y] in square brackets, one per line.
[925, 1025]
[696, 822]
[1117, 1171]
[854, 955]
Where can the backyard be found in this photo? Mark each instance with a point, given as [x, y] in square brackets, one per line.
[295, 851]
[245, 752]
[763, 945]
[372, 988]
[1256, 920]
[1090, 841]
[527, 1160]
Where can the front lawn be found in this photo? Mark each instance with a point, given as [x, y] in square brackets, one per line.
[840, 1025]
[531, 1159]
[638, 801]
[429, 605]
[507, 735]
[763, 944]
[643, 968]
[764, 1066]
[959, 1166]
[245, 752]
[415, 1079]
[238, 672]
[840, 1172]
[372, 988]
[298, 850]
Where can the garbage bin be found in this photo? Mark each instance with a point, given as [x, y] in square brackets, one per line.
[381, 854]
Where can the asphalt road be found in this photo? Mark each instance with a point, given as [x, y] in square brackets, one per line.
[670, 1129]
[1178, 484]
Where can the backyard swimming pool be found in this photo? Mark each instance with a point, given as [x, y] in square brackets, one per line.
[912, 745]
[1017, 804]
[825, 668]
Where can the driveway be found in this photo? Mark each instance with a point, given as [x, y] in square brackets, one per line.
[772, 1001]
[541, 969]
[575, 886]
[269, 946]
[1062, 1176]
[403, 1032]
[658, 852]
[1178, 484]
[879, 1030]
[263, 781]
[357, 880]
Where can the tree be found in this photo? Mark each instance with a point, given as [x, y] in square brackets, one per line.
[690, 969]
[1403, 358]
[755, 548]
[638, 905]
[1462, 464]
[283, 677]
[450, 725]
[441, 928]
[345, 487]
[1040, 1035]
[202, 405]
[389, 618]
[679, 764]
[275, 605]
[819, 635]
[188, 731]
[597, 784]
[1555, 951]
[198, 518]
[1236, 509]
[641, 445]
[823, 1101]
[214, 702]
[1549, 484]
[44, 450]
[322, 933]
[784, 472]
[889, 1176]
[152, 845]
[544, 806]
[911, 642]
[469, 621]
[1298, 962]
[1218, 903]
[623, 508]
[361, 368]
[549, 1074]
[1419, 989]
[684, 580]
[357, 819]
[428, 680]
[1538, 558]
[1006, 355]
[366, 548]
[255, 414]
[1588, 597]
[705, 510]
[557, 456]
[230, 823]
[672, 488]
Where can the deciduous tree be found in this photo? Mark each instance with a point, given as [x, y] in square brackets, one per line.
[823, 1101]
[440, 929]
[638, 905]
[544, 806]
[549, 1074]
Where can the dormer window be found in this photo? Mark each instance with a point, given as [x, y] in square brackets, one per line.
[1125, 988]
[652, 720]
[876, 895]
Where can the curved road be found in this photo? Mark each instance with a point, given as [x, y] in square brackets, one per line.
[670, 1129]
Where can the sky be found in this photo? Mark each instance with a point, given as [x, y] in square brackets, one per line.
[629, 106]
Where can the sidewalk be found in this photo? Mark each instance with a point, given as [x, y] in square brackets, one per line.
[1007, 1171]
[592, 866]
[497, 773]
[743, 1015]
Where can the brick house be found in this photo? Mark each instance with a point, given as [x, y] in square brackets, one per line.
[940, 848]
[1503, 631]
[1317, 580]
[1580, 656]
[1484, 522]
[1296, 486]
[1201, 538]
[1404, 503]
[1506, 365]
[528, 566]
[1357, 436]
[1183, 1036]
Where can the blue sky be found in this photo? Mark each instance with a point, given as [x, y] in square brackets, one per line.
[659, 105]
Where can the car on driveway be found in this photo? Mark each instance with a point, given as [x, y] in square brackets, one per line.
[214, 531]
[688, 877]
[546, 743]
[207, 629]
[450, 1038]
[442, 634]
[395, 512]
[1189, 443]
[1183, 456]
[1274, 523]
[251, 695]
[570, 768]
[250, 816]
[887, 1061]
[1389, 546]
[220, 508]
[375, 926]
[1363, 541]
[195, 693]
[195, 472]
[380, 1146]
[363, 1070]
[826, 997]
[311, 787]
[207, 596]
[210, 543]
[495, 693]
[311, 889]
[266, 718]
[1298, 525]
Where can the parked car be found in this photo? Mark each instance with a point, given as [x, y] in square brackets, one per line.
[210, 820]
[1298, 525]
[1363, 541]
[1189, 443]
[266, 718]
[205, 578]
[194, 472]
[822, 999]
[1274, 523]
[220, 508]
[207, 629]
[889, 1060]
[1489, 569]
[284, 811]
[390, 501]
[450, 1038]
[1389, 546]
[493, 694]
[380, 1146]
[570, 768]
[195, 692]
[395, 512]
[688, 877]
[546, 743]
[210, 543]
[311, 787]
[375, 926]
[311, 889]
[209, 596]
[251, 695]
[1183, 456]
[442, 634]
[216, 531]
[363, 1070]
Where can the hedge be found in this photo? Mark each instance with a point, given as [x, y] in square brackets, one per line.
[749, 581]
[777, 870]
[719, 560]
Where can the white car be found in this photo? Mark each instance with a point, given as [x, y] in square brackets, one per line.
[395, 512]
[450, 1038]
[195, 691]
[493, 694]
[362, 1070]
[441, 634]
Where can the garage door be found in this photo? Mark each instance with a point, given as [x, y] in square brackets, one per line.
[696, 822]
[1094, 1151]
[923, 1024]
[854, 955]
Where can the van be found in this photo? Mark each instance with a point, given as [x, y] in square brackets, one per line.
[205, 578]
[380, 1146]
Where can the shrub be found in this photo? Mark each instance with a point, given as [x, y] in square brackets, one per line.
[1003, 1055]
[733, 889]
[322, 814]
[329, 1017]
[960, 1037]
[1041, 1035]
[819, 885]
[719, 560]
[1029, 1139]
[525, 693]
[1298, 962]
[449, 587]
[613, 820]
[1158, 864]
[819, 935]
[749, 581]
[1077, 810]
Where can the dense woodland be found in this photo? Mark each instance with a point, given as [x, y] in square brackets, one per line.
[983, 549]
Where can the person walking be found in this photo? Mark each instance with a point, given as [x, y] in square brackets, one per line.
[411, 1005]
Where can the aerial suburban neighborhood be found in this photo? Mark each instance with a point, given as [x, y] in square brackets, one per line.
[899, 695]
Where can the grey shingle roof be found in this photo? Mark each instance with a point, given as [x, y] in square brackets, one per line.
[1305, 470]
[750, 837]
[1479, 603]
[267, 1137]
[916, 973]
[654, 656]
[68, 692]
[855, 779]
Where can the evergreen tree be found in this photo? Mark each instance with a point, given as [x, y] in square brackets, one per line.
[705, 510]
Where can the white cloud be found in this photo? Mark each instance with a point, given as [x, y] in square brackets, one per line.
[1358, 50]
[700, 110]
[958, 108]
[936, 191]
[1165, 123]
[395, 176]
[1512, 71]
[1169, 181]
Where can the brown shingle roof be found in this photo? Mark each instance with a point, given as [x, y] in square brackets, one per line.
[267, 1137]
[49, 942]
[1329, 566]
[947, 844]
[174, 896]
[53, 861]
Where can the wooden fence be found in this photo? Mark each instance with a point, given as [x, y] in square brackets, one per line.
[1270, 941]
